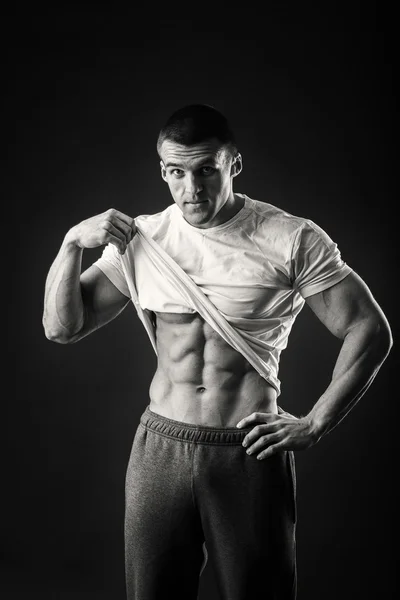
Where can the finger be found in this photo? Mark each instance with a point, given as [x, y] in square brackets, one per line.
[257, 431]
[257, 417]
[112, 212]
[114, 236]
[127, 230]
[263, 441]
[273, 449]
[124, 229]
[122, 222]
[120, 246]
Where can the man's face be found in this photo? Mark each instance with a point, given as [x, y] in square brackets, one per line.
[199, 178]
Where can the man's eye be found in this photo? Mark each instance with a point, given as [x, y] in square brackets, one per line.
[208, 170]
[177, 172]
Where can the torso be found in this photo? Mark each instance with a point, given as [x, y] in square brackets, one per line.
[200, 379]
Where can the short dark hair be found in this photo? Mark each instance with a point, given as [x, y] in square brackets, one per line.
[195, 123]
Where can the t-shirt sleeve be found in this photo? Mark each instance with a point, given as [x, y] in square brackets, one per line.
[111, 265]
[316, 261]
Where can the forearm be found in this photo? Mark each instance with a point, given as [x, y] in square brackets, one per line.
[64, 312]
[363, 352]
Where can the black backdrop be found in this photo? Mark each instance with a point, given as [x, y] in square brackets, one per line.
[311, 98]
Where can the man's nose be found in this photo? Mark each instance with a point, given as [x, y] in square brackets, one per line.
[193, 184]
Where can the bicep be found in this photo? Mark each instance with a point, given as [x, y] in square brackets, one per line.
[102, 299]
[345, 305]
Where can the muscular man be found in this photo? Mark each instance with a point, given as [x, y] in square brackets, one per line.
[211, 471]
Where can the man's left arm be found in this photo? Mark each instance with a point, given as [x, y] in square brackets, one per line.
[350, 312]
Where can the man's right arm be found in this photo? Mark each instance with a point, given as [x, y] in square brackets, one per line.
[76, 304]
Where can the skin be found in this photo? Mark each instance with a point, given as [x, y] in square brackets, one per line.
[200, 179]
[199, 378]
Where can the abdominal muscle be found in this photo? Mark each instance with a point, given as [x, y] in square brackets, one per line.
[202, 380]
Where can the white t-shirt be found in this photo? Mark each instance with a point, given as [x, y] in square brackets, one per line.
[256, 269]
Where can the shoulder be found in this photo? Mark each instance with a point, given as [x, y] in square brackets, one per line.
[274, 221]
[156, 224]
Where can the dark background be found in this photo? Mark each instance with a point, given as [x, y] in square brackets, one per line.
[311, 97]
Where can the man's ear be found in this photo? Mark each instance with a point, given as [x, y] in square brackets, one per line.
[237, 165]
[163, 171]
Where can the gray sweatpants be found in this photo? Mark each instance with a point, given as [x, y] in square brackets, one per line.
[191, 493]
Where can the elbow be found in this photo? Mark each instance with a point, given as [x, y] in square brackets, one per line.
[388, 339]
[57, 338]
[58, 335]
[383, 337]
[374, 337]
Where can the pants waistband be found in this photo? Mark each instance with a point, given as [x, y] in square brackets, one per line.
[192, 433]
